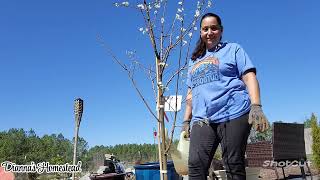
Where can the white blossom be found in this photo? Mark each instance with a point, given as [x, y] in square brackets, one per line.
[162, 20]
[209, 3]
[195, 28]
[125, 3]
[155, 12]
[116, 5]
[190, 34]
[136, 62]
[197, 14]
[183, 29]
[130, 54]
[140, 6]
[184, 42]
[180, 2]
[177, 37]
[179, 10]
[179, 17]
[143, 30]
[157, 5]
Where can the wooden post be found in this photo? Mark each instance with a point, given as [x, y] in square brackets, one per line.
[78, 110]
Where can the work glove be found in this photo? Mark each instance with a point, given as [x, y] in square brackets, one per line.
[186, 128]
[257, 118]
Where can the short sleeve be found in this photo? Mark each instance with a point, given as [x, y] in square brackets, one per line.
[243, 61]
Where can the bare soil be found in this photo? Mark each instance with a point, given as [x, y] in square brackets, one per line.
[269, 174]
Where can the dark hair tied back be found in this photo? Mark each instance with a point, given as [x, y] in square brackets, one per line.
[200, 48]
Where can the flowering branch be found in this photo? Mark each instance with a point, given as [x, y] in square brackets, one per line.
[129, 73]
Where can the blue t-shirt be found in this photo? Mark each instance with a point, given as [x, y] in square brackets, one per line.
[218, 93]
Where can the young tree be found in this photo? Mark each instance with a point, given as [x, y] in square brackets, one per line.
[315, 130]
[256, 136]
[169, 33]
[307, 122]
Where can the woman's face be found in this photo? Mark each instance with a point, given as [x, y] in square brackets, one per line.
[210, 32]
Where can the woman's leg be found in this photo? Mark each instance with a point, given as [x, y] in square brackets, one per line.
[234, 135]
[203, 144]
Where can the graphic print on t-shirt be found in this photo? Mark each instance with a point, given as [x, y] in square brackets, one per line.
[205, 71]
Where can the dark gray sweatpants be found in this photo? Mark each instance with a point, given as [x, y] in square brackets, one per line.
[204, 140]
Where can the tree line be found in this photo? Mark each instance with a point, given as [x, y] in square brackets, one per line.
[23, 147]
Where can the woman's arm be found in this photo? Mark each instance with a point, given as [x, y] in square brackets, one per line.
[188, 112]
[252, 84]
[256, 115]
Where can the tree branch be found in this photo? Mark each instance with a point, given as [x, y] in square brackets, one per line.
[115, 59]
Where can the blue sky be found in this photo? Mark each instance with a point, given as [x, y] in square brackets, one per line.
[49, 56]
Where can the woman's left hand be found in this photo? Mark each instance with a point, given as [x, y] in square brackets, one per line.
[257, 118]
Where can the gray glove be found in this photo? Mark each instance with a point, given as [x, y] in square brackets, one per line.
[257, 118]
[186, 128]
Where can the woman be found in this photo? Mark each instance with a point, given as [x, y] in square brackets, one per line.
[223, 101]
